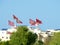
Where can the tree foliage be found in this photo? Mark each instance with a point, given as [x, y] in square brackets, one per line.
[55, 40]
[4, 43]
[23, 37]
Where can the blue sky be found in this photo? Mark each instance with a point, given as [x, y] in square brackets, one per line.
[46, 10]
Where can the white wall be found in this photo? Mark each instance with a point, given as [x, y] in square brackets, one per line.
[4, 36]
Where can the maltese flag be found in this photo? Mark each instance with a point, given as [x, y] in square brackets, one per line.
[38, 21]
[32, 22]
[19, 21]
[11, 23]
[14, 17]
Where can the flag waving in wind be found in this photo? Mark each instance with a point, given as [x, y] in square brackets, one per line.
[15, 17]
[17, 20]
[10, 23]
[38, 21]
[32, 22]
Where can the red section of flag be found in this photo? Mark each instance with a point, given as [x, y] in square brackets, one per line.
[32, 22]
[10, 23]
[18, 21]
[38, 21]
[15, 17]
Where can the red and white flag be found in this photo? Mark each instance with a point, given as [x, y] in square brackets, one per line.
[32, 22]
[11, 23]
[18, 21]
[14, 17]
[38, 21]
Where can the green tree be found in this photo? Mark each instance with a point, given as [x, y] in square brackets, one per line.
[4, 43]
[55, 40]
[23, 37]
[31, 38]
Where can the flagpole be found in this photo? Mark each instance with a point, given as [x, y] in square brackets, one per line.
[37, 26]
[15, 23]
